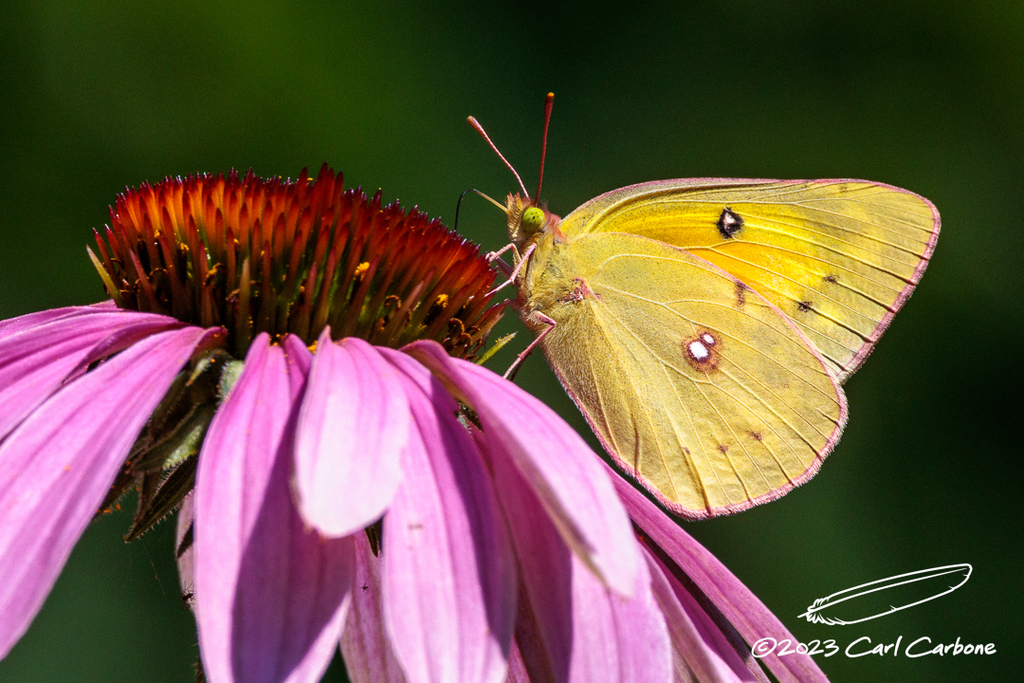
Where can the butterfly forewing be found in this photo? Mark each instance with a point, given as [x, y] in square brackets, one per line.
[714, 401]
[838, 257]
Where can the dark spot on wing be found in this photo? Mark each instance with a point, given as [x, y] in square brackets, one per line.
[741, 293]
[834, 279]
[755, 435]
[805, 306]
[723, 448]
[729, 223]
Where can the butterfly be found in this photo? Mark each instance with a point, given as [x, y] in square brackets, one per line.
[704, 326]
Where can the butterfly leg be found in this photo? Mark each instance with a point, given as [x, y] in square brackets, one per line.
[510, 374]
[520, 262]
[492, 256]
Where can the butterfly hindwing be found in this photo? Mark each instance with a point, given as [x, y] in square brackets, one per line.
[711, 398]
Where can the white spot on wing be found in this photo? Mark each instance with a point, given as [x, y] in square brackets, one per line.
[698, 350]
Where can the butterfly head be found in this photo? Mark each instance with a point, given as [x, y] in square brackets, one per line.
[527, 219]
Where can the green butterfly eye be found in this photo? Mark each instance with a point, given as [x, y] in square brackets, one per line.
[532, 220]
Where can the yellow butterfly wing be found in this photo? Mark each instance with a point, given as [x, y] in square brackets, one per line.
[715, 403]
[839, 257]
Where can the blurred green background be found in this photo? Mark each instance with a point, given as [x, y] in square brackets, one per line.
[927, 95]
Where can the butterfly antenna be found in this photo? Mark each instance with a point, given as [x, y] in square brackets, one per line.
[548, 101]
[480, 129]
[458, 205]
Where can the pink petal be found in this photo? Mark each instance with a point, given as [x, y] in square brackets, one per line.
[447, 566]
[517, 672]
[369, 656]
[352, 428]
[571, 627]
[24, 322]
[616, 638]
[698, 645]
[35, 361]
[271, 594]
[56, 466]
[739, 607]
[299, 359]
[568, 478]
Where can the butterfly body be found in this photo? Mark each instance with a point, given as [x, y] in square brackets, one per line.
[703, 326]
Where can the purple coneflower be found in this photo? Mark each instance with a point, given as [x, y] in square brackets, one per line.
[297, 354]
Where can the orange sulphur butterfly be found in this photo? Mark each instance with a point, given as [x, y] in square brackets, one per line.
[704, 325]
